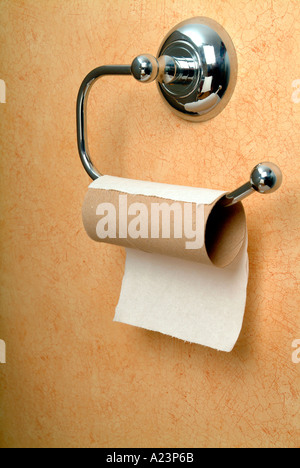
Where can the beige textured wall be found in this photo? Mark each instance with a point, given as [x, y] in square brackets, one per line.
[73, 377]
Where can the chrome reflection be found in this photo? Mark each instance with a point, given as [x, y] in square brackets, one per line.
[206, 44]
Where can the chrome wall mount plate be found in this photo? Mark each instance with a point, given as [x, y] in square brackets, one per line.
[207, 57]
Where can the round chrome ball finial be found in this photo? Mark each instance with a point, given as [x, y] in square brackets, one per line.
[144, 68]
[266, 177]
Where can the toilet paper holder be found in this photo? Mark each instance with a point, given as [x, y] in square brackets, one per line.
[196, 72]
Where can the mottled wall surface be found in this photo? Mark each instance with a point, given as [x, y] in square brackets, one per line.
[73, 377]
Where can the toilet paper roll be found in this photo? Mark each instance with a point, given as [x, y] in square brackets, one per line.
[192, 286]
[181, 222]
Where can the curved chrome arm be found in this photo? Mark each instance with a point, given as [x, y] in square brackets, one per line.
[81, 111]
[265, 177]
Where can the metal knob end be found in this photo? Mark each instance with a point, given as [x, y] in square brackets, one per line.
[144, 68]
[266, 177]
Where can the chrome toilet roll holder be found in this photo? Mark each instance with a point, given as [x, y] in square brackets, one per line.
[196, 73]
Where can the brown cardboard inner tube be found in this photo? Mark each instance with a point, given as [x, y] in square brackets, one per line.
[225, 233]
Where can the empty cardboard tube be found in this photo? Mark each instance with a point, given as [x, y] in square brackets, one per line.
[219, 232]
